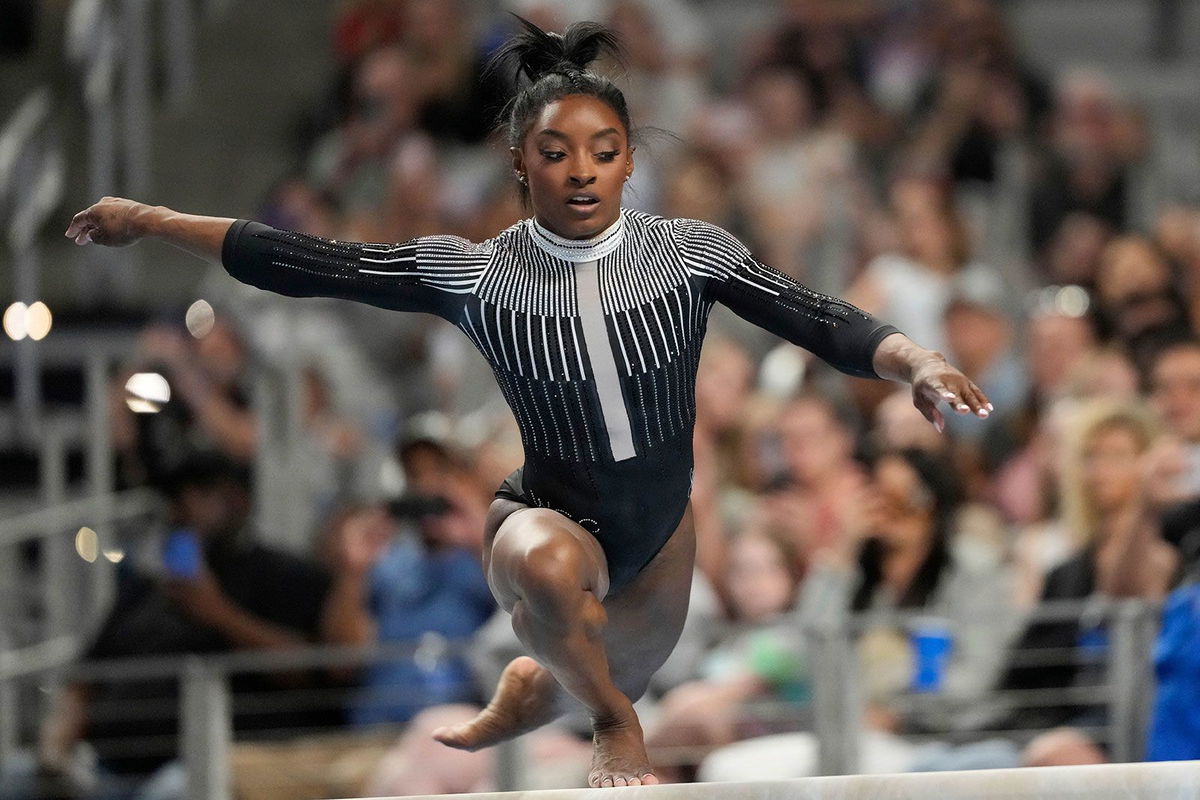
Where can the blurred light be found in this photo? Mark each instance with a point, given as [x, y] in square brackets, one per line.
[782, 371]
[16, 321]
[1072, 301]
[147, 392]
[200, 319]
[38, 321]
[391, 478]
[115, 555]
[1065, 301]
[87, 544]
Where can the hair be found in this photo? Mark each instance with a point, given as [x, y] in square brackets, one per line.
[554, 66]
[938, 479]
[203, 469]
[1185, 342]
[785, 547]
[946, 206]
[1093, 418]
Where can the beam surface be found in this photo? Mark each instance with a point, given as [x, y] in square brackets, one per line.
[1179, 780]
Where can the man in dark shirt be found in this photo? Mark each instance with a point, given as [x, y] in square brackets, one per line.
[219, 591]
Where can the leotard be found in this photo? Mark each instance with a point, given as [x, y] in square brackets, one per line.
[594, 345]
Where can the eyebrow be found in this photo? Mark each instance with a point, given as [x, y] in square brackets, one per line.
[560, 135]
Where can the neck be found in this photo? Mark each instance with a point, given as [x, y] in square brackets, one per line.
[578, 250]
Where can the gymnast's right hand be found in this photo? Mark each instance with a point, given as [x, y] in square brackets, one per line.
[114, 221]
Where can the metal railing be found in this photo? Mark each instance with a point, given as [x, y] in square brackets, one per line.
[207, 707]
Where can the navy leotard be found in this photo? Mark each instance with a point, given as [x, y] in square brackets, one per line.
[594, 344]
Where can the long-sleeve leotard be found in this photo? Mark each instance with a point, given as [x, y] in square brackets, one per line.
[594, 345]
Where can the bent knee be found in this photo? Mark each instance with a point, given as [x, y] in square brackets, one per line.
[553, 566]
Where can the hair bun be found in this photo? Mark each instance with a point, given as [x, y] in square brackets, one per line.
[537, 52]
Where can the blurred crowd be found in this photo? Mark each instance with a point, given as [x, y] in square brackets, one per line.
[900, 153]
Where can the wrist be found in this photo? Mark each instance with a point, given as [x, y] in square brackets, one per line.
[148, 220]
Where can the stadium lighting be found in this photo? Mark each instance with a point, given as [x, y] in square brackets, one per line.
[200, 319]
[147, 392]
[87, 544]
[38, 321]
[15, 321]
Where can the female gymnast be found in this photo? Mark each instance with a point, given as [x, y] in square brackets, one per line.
[591, 317]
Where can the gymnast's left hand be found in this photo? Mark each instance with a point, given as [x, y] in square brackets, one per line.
[114, 222]
[935, 381]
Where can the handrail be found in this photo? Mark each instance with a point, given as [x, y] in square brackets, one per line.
[96, 510]
[20, 129]
[37, 658]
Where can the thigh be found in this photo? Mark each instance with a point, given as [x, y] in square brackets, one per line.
[514, 532]
[647, 616]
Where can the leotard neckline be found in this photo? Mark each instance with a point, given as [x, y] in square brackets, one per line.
[578, 250]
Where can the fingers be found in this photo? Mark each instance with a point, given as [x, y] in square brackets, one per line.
[78, 222]
[966, 398]
[83, 226]
[928, 407]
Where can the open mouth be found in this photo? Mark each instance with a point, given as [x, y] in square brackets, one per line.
[583, 200]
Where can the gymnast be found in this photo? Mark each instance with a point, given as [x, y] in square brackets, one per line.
[591, 317]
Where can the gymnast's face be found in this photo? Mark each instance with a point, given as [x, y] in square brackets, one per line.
[576, 158]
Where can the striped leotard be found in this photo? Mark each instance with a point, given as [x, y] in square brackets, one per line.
[594, 344]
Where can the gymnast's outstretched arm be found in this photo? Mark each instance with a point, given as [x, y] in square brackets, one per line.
[117, 222]
[430, 274]
[850, 339]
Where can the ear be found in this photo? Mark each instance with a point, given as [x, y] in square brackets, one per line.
[518, 160]
[629, 163]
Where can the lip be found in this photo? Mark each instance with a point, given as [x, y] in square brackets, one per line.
[589, 195]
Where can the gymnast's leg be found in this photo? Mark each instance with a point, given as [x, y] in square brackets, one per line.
[552, 576]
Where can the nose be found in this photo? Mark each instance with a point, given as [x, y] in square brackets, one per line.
[581, 173]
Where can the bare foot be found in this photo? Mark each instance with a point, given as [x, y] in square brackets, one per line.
[619, 754]
[525, 699]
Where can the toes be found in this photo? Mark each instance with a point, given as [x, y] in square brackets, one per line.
[649, 779]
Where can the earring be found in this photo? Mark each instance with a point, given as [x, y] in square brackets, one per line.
[521, 179]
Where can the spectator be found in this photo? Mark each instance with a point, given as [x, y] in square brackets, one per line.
[216, 590]
[722, 387]
[1139, 302]
[897, 560]
[664, 51]
[350, 162]
[294, 205]
[900, 555]
[979, 335]
[1106, 507]
[797, 176]
[758, 656]
[933, 264]
[1175, 392]
[209, 407]
[1177, 232]
[1016, 449]
[898, 425]
[982, 97]
[427, 586]
[460, 100]
[1094, 140]
[816, 449]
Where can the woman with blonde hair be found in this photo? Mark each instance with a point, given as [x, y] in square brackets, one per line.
[1108, 505]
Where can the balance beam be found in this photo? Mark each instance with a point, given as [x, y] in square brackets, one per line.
[1177, 780]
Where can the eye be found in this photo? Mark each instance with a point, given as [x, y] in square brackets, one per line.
[608, 155]
[553, 155]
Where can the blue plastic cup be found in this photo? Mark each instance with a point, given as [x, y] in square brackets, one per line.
[932, 643]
